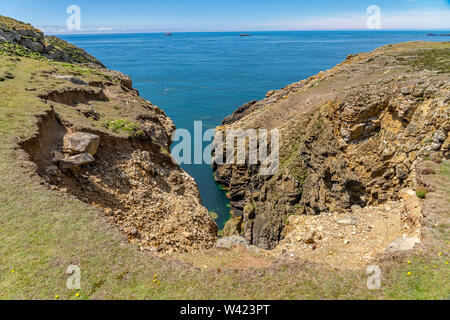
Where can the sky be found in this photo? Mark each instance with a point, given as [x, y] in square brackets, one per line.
[100, 16]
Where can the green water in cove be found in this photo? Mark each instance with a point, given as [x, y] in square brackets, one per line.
[206, 76]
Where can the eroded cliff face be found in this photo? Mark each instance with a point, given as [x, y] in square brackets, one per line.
[350, 136]
[95, 138]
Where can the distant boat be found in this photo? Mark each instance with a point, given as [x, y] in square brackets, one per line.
[245, 35]
[168, 34]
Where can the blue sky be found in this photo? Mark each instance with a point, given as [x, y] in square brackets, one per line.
[228, 15]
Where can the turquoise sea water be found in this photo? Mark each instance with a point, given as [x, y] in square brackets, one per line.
[206, 76]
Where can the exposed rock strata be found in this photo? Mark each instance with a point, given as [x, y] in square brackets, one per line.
[349, 136]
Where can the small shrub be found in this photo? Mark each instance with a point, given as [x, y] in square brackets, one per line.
[126, 126]
[213, 215]
[421, 193]
[139, 134]
[122, 125]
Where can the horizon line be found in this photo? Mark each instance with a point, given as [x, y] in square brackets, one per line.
[242, 31]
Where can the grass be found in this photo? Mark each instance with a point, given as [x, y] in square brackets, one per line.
[76, 54]
[421, 193]
[126, 126]
[10, 23]
[444, 169]
[42, 232]
[13, 49]
[122, 125]
[425, 277]
[437, 59]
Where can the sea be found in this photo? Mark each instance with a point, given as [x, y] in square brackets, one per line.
[206, 76]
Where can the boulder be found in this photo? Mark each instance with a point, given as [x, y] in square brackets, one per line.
[230, 242]
[439, 136]
[5, 36]
[32, 45]
[357, 131]
[403, 244]
[81, 142]
[76, 161]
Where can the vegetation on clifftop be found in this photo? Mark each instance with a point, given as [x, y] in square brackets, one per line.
[13, 49]
[10, 23]
[77, 54]
[437, 59]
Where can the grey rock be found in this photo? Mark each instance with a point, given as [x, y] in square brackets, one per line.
[52, 170]
[229, 242]
[37, 46]
[31, 34]
[32, 45]
[406, 90]
[401, 171]
[56, 55]
[345, 221]
[76, 161]
[74, 80]
[81, 142]
[436, 146]
[5, 36]
[440, 136]
[403, 244]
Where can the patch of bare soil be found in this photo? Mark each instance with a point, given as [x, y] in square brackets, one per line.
[73, 96]
[350, 240]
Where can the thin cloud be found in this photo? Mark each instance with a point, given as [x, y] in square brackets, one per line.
[430, 19]
[423, 19]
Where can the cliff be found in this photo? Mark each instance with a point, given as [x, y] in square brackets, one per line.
[91, 136]
[350, 139]
[86, 179]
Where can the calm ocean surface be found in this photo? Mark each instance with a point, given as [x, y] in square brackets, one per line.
[206, 76]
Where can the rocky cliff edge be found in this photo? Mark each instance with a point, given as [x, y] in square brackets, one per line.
[350, 140]
[96, 139]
